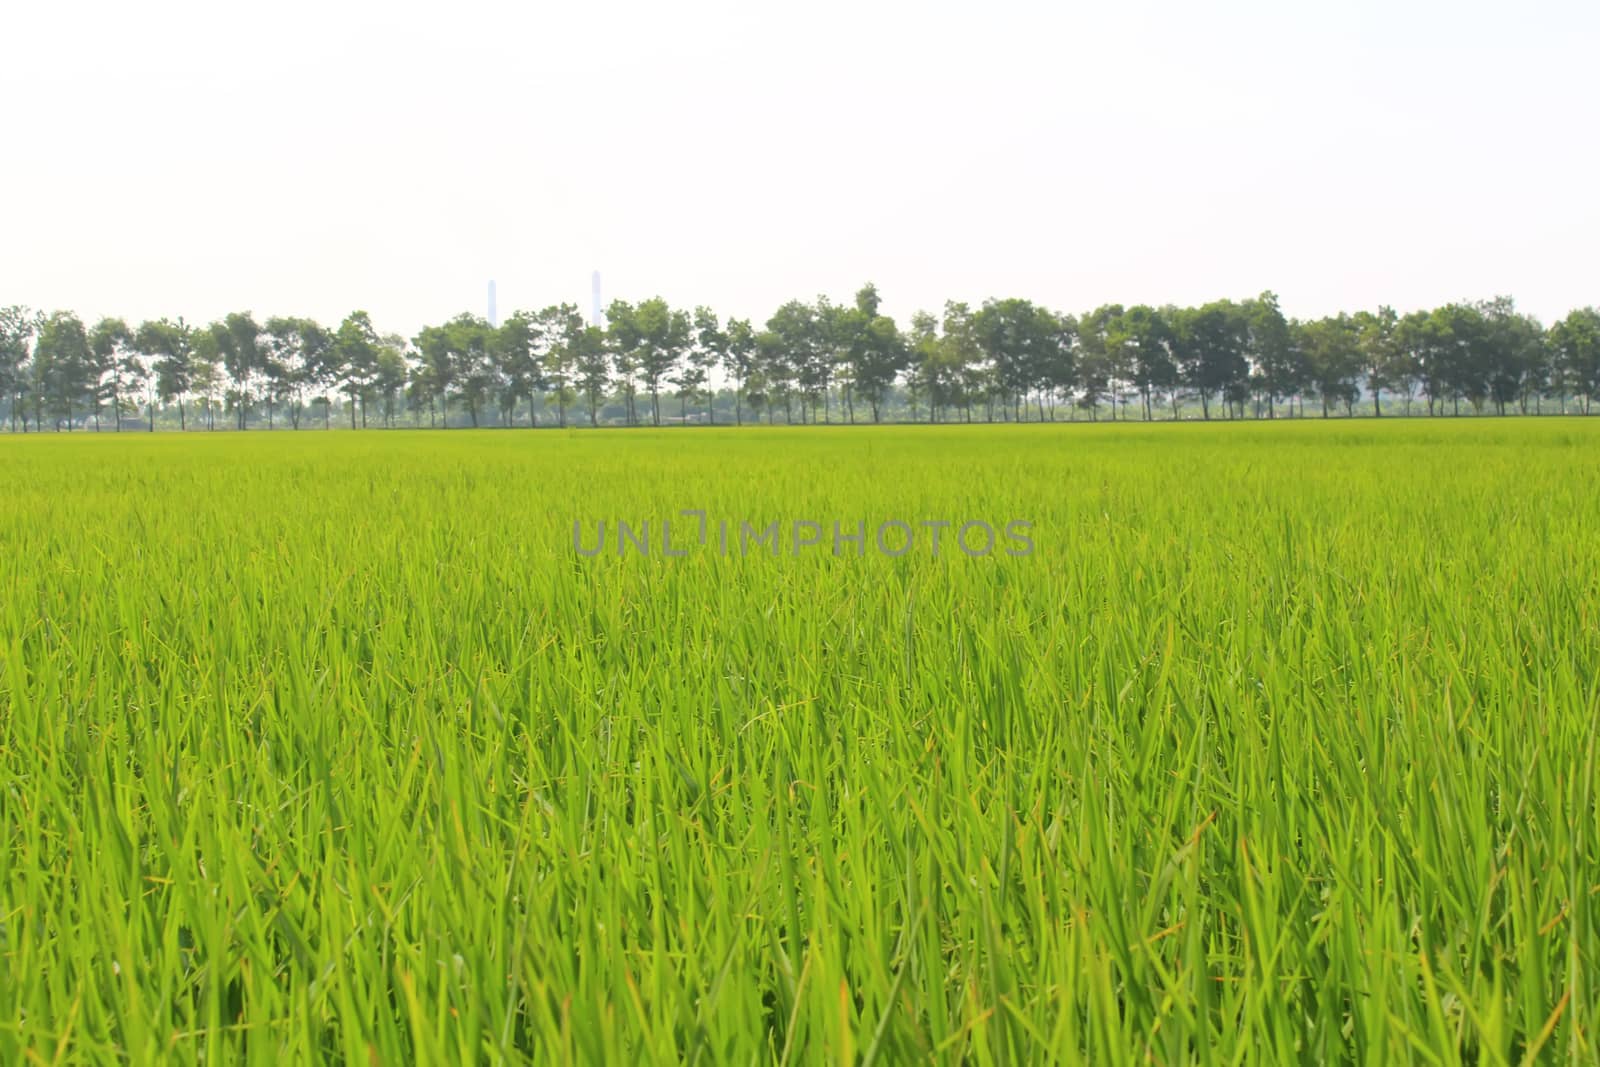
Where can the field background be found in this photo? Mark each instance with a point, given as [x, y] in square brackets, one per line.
[1281, 746]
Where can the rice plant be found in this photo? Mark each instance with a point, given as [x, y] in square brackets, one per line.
[1280, 746]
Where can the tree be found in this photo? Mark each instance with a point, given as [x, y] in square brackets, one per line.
[389, 375]
[1099, 355]
[421, 391]
[205, 370]
[739, 359]
[962, 357]
[860, 348]
[592, 358]
[355, 355]
[625, 341]
[1056, 364]
[1575, 342]
[243, 358]
[1210, 343]
[775, 360]
[944, 362]
[1457, 355]
[296, 356]
[170, 345]
[877, 353]
[562, 328]
[111, 353]
[1269, 348]
[1513, 353]
[1377, 335]
[1020, 340]
[469, 338]
[17, 326]
[663, 335]
[1332, 349]
[519, 348]
[1143, 334]
[796, 355]
[438, 368]
[1412, 338]
[63, 367]
[707, 350]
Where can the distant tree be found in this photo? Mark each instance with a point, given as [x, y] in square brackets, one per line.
[422, 391]
[114, 360]
[296, 355]
[777, 356]
[1142, 333]
[707, 348]
[1381, 364]
[244, 358]
[1019, 341]
[1269, 348]
[1413, 341]
[437, 372]
[839, 334]
[389, 376]
[826, 362]
[877, 356]
[355, 355]
[17, 326]
[739, 359]
[469, 338]
[666, 335]
[318, 367]
[1575, 344]
[519, 349]
[170, 346]
[562, 328]
[1210, 343]
[1099, 356]
[64, 369]
[625, 342]
[592, 360]
[206, 378]
[1459, 356]
[1056, 365]
[965, 366]
[1513, 353]
[1332, 347]
[797, 356]
[925, 370]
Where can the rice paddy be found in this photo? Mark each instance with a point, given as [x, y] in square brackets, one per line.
[1279, 746]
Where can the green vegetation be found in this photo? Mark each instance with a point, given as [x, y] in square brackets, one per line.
[1008, 360]
[1281, 747]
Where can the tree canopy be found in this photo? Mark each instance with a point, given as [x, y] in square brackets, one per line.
[810, 361]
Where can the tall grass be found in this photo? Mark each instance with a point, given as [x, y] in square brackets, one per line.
[1280, 747]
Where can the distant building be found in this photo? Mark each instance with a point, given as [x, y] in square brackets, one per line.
[494, 312]
[595, 313]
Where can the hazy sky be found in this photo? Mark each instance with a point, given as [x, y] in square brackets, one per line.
[311, 158]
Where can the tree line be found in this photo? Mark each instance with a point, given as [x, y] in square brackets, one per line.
[817, 361]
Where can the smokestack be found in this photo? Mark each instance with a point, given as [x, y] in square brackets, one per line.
[494, 314]
[594, 319]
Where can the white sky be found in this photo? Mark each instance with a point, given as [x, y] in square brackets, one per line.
[311, 158]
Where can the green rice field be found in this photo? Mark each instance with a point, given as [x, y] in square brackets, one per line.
[1279, 746]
